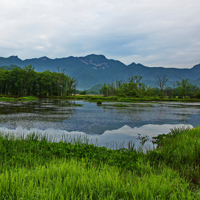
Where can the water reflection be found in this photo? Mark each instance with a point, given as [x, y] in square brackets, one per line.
[157, 113]
[113, 139]
[41, 106]
[92, 120]
[30, 114]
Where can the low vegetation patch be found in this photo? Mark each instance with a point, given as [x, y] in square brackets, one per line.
[7, 99]
[28, 98]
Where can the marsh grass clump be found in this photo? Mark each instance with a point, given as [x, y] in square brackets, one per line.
[29, 98]
[99, 102]
[173, 132]
[180, 150]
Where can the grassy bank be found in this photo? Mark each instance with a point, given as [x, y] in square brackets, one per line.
[95, 98]
[28, 98]
[34, 168]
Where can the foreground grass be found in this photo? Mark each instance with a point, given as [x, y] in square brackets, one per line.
[33, 168]
[73, 179]
[180, 149]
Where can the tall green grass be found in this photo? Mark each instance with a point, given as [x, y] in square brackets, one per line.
[35, 168]
[180, 149]
[80, 179]
[37, 149]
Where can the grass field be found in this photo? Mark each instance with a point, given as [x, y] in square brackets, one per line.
[35, 168]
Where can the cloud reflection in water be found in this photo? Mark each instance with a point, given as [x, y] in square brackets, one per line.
[110, 138]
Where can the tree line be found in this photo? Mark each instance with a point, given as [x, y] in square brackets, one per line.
[27, 82]
[133, 87]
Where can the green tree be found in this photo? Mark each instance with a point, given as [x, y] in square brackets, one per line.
[104, 90]
[161, 81]
[45, 81]
[71, 85]
[2, 79]
[28, 78]
[149, 91]
[183, 86]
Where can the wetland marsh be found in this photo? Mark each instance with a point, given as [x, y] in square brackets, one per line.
[43, 156]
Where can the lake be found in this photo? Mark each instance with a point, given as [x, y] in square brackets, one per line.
[107, 125]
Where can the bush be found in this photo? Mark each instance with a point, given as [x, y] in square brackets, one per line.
[99, 102]
[84, 92]
[197, 95]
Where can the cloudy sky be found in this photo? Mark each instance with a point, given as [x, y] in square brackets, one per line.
[151, 32]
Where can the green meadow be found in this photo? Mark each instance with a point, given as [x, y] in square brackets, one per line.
[35, 167]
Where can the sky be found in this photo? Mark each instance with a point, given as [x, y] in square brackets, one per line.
[151, 32]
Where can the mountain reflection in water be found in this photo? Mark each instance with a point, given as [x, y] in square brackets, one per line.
[105, 123]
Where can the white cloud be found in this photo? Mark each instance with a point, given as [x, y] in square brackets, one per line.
[152, 32]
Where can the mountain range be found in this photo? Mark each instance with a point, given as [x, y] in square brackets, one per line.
[95, 69]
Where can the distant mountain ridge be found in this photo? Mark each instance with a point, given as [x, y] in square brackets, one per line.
[95, 69]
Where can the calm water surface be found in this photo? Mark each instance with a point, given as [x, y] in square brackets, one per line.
[112, 126]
